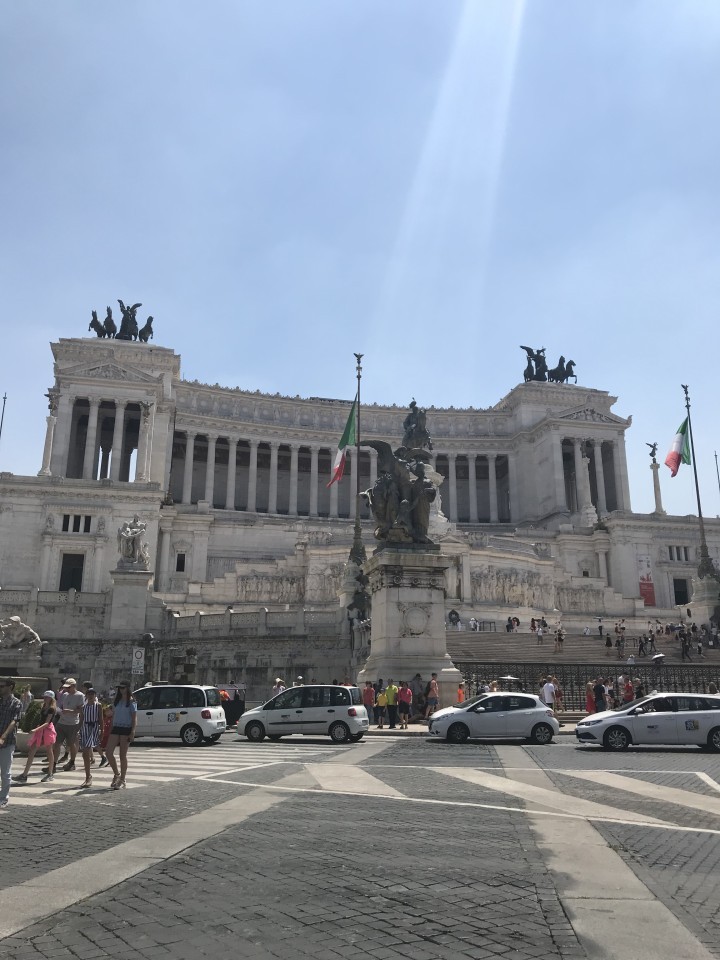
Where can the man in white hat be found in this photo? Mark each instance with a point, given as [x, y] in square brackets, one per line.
[279, 686]
[70, 703]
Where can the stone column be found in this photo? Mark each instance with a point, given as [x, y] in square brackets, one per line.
[61, 436]
[621, 475]
[334, 500]
[188, 468]
[472, 488]
[558, 472]
[98, 565]
[655, 467]
[452, 484]
[273, 485]
[51, 420]
[118, 439]
[602, 564]
[231, 471]
[314, 455]
[252, 478]
[141, 470]
[45, 557]
[373, 466]
[163, 571]
[210, 470]
[293, 501]
[577, 455]
[492, 484]
[90, 438]
[599, 477]
[513, 484]
[104, 463]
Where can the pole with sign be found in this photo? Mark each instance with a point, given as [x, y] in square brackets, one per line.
[138, 661]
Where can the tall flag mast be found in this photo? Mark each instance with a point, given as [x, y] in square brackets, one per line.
[357, 552]
[706, 568]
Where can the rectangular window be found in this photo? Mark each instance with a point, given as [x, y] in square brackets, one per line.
[71, 571]
[86, 525]
[76, 524]
[686, 553]
[671, 552]
[66, 522]
[180, 563]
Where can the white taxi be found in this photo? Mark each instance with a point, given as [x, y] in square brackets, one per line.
[192, 713]
[501, 715]
[670, 719]
[314, 710]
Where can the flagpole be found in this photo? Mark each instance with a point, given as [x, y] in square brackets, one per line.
[706, 568]
[357, 553]
[717, 471]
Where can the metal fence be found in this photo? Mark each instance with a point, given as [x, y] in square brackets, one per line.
[574, 677]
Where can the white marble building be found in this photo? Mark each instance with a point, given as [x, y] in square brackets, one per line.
[232, 486]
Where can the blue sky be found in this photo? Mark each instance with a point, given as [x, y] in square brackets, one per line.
[283, 182]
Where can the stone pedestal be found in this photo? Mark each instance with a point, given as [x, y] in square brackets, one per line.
[130, 595]
[705, 599]
[408, 619]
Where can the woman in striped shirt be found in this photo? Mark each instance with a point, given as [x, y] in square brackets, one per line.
[90, 731]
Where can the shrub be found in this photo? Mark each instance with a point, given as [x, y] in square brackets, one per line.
[31, 717]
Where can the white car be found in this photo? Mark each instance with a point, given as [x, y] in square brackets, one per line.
[502, 715]
[192, 713]
[315, 710]
[661, 718]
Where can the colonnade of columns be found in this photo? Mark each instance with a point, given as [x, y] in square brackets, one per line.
[293, 476]
[607, 473]
[93, 438]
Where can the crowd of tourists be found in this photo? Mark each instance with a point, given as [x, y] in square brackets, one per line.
[76, 721]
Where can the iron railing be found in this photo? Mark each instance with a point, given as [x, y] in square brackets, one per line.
[574, 677]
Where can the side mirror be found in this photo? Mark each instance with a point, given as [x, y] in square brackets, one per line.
[638, 710]
[479, 709]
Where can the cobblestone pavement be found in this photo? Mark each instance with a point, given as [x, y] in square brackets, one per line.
[429, 867]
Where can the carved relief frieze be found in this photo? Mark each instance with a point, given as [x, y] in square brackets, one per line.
[415, 618]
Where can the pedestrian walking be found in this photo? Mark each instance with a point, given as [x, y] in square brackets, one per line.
[599, 693]
[90, 732]
[461, 692]
[405, 696]
[391, 692]
[417, 688]
[278, 687]
[43, 735]
[539, 634]
[26, 698]
[548, 693]
[589, 697]
[106, 730]
[432, 696]
[10, 711]
[122, 733]
[70, 704]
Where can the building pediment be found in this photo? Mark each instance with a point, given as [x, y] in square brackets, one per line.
[590, 415]
[108, 370]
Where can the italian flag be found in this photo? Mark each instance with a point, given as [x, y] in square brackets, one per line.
[348, 439]
[680, 449]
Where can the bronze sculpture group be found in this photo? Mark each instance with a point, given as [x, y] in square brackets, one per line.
[537, 368]
[401, 496]
[128, 326]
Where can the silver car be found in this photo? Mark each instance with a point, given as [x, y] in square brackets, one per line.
[502, 715]
[668, 719]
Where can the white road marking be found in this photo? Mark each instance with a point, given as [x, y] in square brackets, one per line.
[706, 778]
[654, 791]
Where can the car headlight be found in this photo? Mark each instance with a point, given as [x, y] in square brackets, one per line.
[589, 723]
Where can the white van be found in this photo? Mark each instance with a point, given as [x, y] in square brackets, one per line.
[192, 713]
[315, 710]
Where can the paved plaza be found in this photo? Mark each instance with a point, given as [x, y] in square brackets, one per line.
[387, 848]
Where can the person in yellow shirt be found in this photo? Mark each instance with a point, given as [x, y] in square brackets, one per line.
[391, 692]
[381, 703]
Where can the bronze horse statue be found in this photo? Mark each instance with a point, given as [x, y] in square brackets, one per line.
[146, 333]
[562, 372]
[109, 325]
[96, 325]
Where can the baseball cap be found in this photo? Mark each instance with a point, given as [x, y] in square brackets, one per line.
[70, 681]
[49, 693]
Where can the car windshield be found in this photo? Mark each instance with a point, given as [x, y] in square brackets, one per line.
[634, 703]
[470, 703]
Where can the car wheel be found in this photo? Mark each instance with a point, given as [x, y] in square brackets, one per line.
[274, 736]
[458, 733]
[356, 737]
[192, 735]
[339, 733]
[255, 731]
[617, 738]
[541, 733]
[713, 740]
